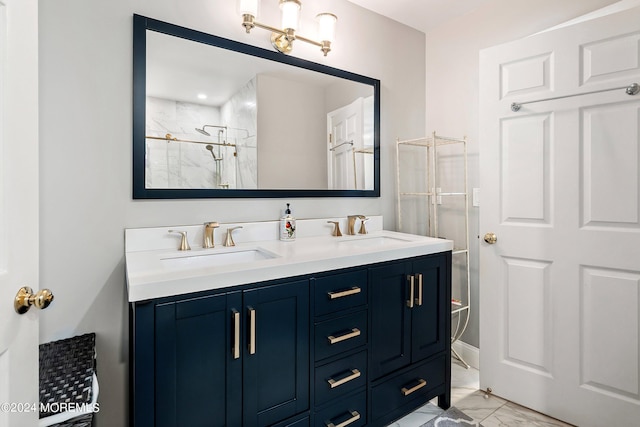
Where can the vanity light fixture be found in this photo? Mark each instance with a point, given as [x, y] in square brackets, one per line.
[282, 39]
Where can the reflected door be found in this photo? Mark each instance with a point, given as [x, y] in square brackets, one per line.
[560, 288]
[345, 136]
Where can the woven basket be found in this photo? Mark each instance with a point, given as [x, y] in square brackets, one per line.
[66, 376]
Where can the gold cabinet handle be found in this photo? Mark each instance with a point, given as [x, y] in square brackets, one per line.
[419, 299]
[354, 333]
[236, 333]
[407, 391]
[355, 416]
[25, 298]
[410, 301]
[355, 373]
[345, 293]
[252, 330]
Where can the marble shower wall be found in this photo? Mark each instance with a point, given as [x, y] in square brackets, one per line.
[190, 165]
[240, 113]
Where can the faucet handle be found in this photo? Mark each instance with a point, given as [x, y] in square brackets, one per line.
[184, 242]
[336, 228]
[229, 240]
[211, 224]
[363, 229]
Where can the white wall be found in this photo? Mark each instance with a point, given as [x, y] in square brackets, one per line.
[291, 130]
[452, 81]
[85, 152]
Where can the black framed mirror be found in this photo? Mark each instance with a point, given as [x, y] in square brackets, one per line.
[216, 118]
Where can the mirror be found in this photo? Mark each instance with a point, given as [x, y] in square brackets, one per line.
[214, 117]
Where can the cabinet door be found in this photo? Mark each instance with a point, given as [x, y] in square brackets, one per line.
[390, 318]
[431, 311]
[276, 368]
[194, 367]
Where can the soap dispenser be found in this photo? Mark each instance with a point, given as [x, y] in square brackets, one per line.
[287, 226]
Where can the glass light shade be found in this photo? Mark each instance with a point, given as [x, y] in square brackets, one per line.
[290, 14]
[248, 7]
[327, 26]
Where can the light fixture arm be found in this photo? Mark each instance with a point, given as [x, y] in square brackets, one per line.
[249, 22]
[325, 45]
[283, 40]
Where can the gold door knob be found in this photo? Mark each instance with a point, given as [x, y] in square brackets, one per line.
[490, 238]
[25, 298]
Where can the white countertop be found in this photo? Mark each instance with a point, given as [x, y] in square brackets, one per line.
[155, 273]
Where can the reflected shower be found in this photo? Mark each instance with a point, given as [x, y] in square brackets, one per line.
[210, 148]
[205, 133]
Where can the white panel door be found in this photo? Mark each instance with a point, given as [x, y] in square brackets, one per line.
[18, 209]
[560, 289]
[345, 130]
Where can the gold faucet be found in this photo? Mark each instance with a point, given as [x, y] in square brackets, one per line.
[229, 241]
[351, 222]
[208, 234]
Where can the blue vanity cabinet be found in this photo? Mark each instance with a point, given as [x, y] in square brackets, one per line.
[222, 359]
[197, 380]
[360, 346]
[341, 337]
[276, 368]
[410, 335]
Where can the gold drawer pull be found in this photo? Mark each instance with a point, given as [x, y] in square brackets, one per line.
[340, 294]
[412, 284]
[419, 299]
[252, 330]
[236, 334]
[355, 416]
[354, 333]
[336, 383]
[407, 391]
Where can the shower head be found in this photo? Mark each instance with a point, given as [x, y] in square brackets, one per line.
[210, 148]
[203, 132]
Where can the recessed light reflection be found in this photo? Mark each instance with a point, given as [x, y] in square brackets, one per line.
[202, 96]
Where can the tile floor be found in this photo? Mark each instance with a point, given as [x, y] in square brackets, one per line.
[490, 412]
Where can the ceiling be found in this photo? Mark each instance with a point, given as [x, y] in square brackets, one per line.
[423, 15]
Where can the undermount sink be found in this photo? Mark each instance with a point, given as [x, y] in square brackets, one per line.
[216, 259]
[373, 242]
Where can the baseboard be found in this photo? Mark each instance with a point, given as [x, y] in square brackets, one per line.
[469, 353]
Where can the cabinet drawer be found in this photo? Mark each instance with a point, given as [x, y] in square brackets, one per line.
[295, 422]
[340, 291]
[341, 334]
[340, 377]
[403, 388]
[350, 411]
